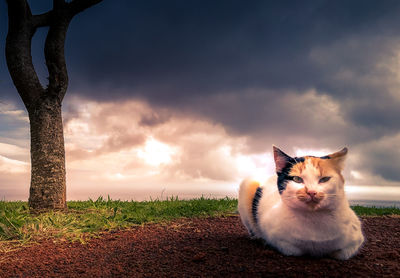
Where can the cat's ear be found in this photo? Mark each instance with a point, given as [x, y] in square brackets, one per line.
[281, 159]
[338, 158]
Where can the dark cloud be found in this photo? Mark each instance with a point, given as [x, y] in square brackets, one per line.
[320, 73]
[381, 157]
[169, 52]
[382, 116]
[289, 118]
[153, 119]
[175, 50]
[179, 53]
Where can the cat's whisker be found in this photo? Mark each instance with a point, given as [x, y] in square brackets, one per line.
[289, 197]
[330, 196]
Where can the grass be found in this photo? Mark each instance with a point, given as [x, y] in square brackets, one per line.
[88, 218]
[375, 211]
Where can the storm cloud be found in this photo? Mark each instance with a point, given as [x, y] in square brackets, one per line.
[298, 74]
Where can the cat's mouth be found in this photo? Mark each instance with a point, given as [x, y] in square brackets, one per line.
[315, 199]
[312, 199]
[313, 203]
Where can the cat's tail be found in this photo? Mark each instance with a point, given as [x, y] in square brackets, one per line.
[247, 192]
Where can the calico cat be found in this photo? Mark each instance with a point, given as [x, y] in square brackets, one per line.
[307, 213]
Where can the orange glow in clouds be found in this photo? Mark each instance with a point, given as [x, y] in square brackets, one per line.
[155, 153]
[112, 150]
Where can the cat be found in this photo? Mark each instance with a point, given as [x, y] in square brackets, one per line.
[304, 210]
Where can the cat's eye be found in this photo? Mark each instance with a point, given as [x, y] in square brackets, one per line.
[297, 179]
[324, 179]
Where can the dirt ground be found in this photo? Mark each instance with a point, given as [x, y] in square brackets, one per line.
[211, 247]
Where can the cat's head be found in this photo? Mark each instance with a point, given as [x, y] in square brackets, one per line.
[310, 182]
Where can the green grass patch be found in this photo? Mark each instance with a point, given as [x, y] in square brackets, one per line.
[87, 218]
[375, 211]
[90, 217]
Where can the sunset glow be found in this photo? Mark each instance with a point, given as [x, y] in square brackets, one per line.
[107, 154]
[156, 153]
[257, 167]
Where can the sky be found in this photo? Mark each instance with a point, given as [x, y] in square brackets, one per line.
[188, 97]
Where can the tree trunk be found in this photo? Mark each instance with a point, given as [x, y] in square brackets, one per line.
[48, 183]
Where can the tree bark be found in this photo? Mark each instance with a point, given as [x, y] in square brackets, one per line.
[48, 177]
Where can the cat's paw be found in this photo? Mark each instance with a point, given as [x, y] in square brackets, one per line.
[344, 254]
[289, 249]
[341, 255]
[349, 251]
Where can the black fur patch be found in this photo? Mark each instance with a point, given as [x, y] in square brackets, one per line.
[256, 200]
[322, 157]
[283, 176]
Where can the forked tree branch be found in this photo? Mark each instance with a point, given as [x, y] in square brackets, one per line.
[41, 20]
[54, 50]
[60, 18]
[18, 51]
[19, 8]
[22, 27]
[77, 6]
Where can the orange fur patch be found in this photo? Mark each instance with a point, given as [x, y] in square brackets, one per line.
[250, 193]
[302, 195]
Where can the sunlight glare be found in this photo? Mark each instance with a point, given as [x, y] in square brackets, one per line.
[156, 153]
[257, 167]
[313, 152]
[355, 174]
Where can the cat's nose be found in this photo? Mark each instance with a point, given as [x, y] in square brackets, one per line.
[312, 193]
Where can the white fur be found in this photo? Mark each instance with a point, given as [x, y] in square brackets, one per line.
[294, 228]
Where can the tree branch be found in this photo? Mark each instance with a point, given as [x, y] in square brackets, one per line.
[60, 18]
[22, 26]
[19, 8]
[54, 54]
[18, 51]
[58, 4]
[41, 20]
[77, 6]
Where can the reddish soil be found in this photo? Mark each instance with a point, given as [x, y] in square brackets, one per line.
[212, 247]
